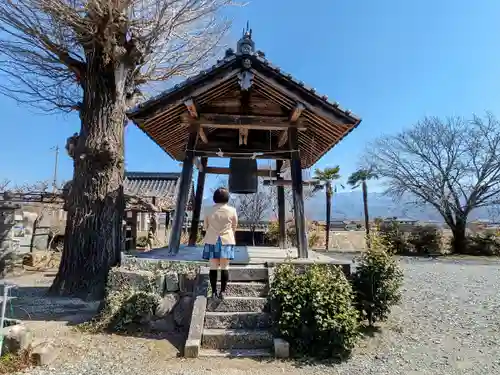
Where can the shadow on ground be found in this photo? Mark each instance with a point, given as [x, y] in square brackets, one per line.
[32, 303]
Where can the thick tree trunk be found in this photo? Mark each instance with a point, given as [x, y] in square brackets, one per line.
[93, 236]
[367, 218]
[459, 238]
[328, 214]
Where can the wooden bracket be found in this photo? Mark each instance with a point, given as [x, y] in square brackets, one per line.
[294, 118]
[191, 107]
[193, 113]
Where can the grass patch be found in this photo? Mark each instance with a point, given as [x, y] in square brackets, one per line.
[11, 363]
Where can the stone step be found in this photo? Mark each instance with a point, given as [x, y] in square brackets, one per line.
[236, 339]
[235, 304]
[237, 320]
[236, 353]
[248, 273]
[245, 289]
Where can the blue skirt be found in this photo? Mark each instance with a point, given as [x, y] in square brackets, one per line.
[218, 251]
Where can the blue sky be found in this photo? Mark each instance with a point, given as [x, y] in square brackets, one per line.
[389, 61]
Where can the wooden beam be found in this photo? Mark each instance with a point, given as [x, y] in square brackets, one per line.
[191, 107]
[198, 199]
[235, 154]
[182, 196]
[281, 208]
[288, 183]
[294, 117]
[242, 121]
[223, 170]
[298, 198]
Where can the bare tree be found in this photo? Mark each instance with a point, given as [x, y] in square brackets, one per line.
[4, 184]
[254, 208]
[95, 57]
[452, 164]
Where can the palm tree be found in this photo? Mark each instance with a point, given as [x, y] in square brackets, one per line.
[359, 178]
[325, 178]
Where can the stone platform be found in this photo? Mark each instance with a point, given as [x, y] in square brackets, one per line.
[243, 255]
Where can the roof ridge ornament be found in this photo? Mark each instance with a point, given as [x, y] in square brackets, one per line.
[246, 45]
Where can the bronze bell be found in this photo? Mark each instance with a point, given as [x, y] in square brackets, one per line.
[243, 177]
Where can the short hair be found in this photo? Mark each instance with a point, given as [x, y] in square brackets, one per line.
[221, 195]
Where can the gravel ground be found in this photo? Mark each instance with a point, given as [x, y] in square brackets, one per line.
[447, 324]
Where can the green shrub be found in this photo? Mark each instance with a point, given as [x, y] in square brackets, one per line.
[425, 240]
[122, 309]
[314, 310]
[485, 244]
[393, 239]
[376, 282]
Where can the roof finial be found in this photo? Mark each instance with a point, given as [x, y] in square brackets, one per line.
[248, 31]
[246, 45]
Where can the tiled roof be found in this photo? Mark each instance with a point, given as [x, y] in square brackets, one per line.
[154, 184]
[327, 122]
[233, 59]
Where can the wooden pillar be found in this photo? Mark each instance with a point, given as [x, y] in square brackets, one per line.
[198, 200]
[281, 207]
[182, 195]
[297, 190]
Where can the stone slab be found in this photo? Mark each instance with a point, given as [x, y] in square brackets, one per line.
[245, 289]
[196, 325]
[247, 273]
[281, 348]
[236, 353]
[237, 320]
[236, 339]
[193, 341]
[242, 304]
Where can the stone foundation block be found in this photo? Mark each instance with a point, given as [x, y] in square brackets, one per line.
[44, 354]
[171, 282]
[281, 348]
[148, 281]
[16, 338]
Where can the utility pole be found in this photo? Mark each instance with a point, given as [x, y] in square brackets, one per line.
[54, 181]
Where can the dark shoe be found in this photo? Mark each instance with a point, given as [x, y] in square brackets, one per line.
[221, 295]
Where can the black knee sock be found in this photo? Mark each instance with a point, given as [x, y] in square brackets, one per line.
[224, 276]
[213, 280]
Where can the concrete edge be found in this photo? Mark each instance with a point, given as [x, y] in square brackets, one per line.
[193, 340]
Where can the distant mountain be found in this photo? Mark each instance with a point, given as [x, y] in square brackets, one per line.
[349, 205]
